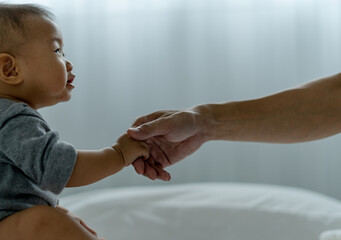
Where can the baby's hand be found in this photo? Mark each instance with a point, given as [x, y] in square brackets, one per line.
[130, 149]
[76, 218]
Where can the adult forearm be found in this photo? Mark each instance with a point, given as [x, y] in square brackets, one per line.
[311, 111]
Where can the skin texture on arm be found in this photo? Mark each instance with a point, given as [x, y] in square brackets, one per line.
[92, 166]
[305, 113]
[308, 112]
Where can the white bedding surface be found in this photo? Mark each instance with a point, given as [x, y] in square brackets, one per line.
[216, 211]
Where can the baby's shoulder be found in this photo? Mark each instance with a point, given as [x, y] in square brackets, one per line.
[10, 109]
[19, 114]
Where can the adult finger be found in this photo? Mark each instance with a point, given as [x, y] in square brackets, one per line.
[149, 170]
[144, 168]
[147, 118]
[161, 173]
[138, 165]
[147, 130]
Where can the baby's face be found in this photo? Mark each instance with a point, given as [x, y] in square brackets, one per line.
[46, 72]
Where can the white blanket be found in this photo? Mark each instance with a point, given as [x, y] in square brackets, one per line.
[215, 211]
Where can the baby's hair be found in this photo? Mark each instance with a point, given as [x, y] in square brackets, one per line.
[13, 29]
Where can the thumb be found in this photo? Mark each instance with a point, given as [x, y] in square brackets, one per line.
[147, 130]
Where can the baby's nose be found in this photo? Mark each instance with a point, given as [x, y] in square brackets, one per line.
[69, 66]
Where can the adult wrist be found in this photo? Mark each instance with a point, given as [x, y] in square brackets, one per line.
[205, 119]
[218, 120]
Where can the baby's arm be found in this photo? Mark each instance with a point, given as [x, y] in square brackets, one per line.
[92, 166]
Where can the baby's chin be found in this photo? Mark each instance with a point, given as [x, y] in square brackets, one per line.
[61, 99]
[65, 98]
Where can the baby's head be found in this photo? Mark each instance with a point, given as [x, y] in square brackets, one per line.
[33, 68]
[14, 31]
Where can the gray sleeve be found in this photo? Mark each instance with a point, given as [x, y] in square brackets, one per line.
[31, 146]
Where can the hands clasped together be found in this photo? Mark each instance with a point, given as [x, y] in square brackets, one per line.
[171, 136]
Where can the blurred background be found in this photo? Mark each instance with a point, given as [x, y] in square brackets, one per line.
[133, 57]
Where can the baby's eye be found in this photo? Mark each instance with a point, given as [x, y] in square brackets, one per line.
[59, 51]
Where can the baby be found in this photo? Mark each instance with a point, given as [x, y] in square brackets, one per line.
[35, 165]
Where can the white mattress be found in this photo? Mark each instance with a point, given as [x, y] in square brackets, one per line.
[216, 211]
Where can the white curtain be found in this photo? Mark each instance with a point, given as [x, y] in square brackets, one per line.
[133, 57]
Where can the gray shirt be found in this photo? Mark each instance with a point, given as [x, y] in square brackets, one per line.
[35, 165]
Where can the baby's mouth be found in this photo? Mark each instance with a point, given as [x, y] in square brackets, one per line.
[70, 79]
[69, 82]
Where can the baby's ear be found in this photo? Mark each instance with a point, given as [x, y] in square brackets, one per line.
[8, 70]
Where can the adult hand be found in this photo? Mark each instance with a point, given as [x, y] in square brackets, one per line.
[171, 136]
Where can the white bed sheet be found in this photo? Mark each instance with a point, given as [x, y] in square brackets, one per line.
[216, 211]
